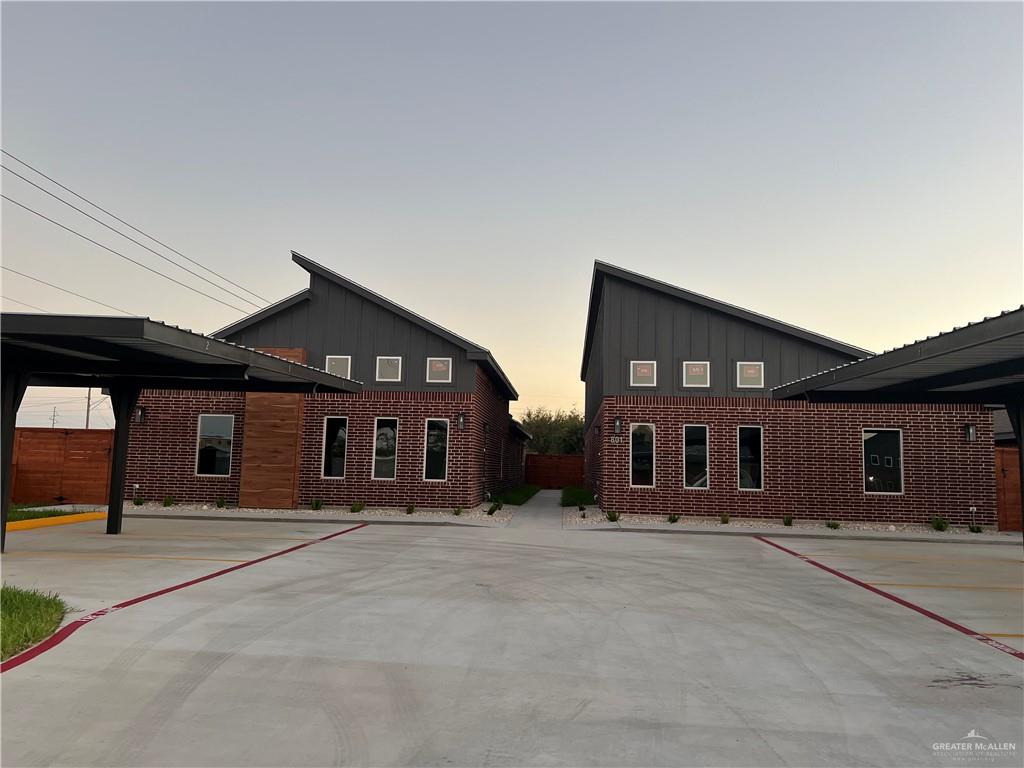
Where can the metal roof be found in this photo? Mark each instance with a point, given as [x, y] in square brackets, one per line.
[98, 351]
[982, 362]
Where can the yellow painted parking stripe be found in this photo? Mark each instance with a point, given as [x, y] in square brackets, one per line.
[115, 556]
[982, 587]
[46, 522]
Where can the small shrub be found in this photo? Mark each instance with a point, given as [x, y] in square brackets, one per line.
[583, 515]
[357, 507]
[457, 511]
[582, 508]
[940, 523]
[220, 502]
[673, 518]
[138, 501]
[168, 501]
[501, 504]
[724, 518]
[613, 517]
[410, 509]
[833, 524]
[316, 504]
[787, 520]
[974, 528]
[495, 506]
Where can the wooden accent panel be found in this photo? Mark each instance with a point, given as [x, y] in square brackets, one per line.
[554, 470]
[1008, 488]
[270, 450]
[70, 466]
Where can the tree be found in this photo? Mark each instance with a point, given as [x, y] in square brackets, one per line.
[554, 431]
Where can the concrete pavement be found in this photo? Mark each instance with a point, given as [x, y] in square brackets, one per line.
[542, 512]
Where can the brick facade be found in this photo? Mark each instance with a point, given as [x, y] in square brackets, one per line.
[812, 460]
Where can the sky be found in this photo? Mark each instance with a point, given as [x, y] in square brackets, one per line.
[855, 169]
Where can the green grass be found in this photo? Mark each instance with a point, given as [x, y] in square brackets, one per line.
[19, 512]
[26, 617]
[520, 495]
[576, 496]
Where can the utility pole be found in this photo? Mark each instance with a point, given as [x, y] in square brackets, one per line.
[88, 402]
[53, 418]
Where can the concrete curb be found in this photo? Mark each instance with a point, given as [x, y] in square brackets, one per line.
[330, 521]
[46, 522]
[768, 533]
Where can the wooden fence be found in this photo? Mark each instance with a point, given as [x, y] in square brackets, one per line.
[61, 466]
[554, 470]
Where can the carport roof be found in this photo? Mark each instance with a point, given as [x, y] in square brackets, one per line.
[98, 351]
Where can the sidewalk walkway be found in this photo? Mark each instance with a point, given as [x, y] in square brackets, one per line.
[542, 511]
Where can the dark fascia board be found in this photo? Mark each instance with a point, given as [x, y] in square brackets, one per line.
[474, 351]
[518, 429]
[1007, 324]
[262, 314]
[603, 269]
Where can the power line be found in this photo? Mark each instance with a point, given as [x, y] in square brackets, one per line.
[136, 229]
[24, 304]
[36, 279]
[127, 237]
[121, 255]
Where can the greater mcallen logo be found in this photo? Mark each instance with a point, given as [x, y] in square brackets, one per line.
[975, 746]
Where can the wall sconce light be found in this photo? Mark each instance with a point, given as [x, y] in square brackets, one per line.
[970, 432]
[618, 426]
[462, 421]
[139, 415]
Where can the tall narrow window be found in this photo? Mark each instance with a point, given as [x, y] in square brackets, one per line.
[335, 443]
[213, 444]
[641, 455]
[339, 365]
[435, 452]
[883, 461]
[695, 449]
[385, 449]
[750, 458]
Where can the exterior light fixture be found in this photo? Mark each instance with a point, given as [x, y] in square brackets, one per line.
[462, 421]
[139, 415]
[970, 432]
[618, 425]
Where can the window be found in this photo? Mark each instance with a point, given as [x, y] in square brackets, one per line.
[749, 458]
[643, 373]
[439, 370]
[641, 455]
[385, 449]
[389, 369]
[435, 450]
[696, 374]
[695, 456]
[883, 461]
[750, 375]
[335, 443]
[213, 444]
[339, 365]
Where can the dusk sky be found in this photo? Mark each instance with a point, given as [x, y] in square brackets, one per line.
[855, 169]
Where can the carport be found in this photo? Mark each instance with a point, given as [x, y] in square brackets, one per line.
[125, 355]
[979, 363]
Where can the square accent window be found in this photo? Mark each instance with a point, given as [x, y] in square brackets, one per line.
[696, 374]
[335, 444]
[749, 458]
[339, 365]
[887, 476]
[213, 444]
[750, 375]
[439, 370]
[385, 449]
[641, 455]
[643, 373]
[435, 450]
[695, 456]
[389, 369]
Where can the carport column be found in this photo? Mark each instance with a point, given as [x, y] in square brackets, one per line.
[14, 384]
[123, 398]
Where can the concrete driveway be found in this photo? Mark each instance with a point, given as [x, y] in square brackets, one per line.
[403, 645]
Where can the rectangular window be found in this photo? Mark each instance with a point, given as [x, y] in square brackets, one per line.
[641, 455]
[213, 444]
[696, 374]
[643, 373]
[389, 369]
[385, 449]
[749, 458]
[435, 450]
[439, 370]
[695, 451]
[335, 443]
[750, 375]
[883, 461]
[339, 365]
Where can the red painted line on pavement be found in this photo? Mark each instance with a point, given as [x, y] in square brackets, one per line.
[67, 630]
[905, 603]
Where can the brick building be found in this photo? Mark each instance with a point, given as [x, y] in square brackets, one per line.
[680, 419]
[430, 426]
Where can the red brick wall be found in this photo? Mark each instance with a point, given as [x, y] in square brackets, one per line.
[812, 460]
[501, 456]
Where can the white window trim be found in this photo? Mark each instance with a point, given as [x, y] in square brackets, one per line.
[749, 386]
[373, 449]
[698, 386]
[436, 381]
[328, 358]
[654, 453]
[654, 367]
[344, 459]
[707, 458]
[903, 480]
[231, 453]
[376, 368]
[447, 441]
[763, 463]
